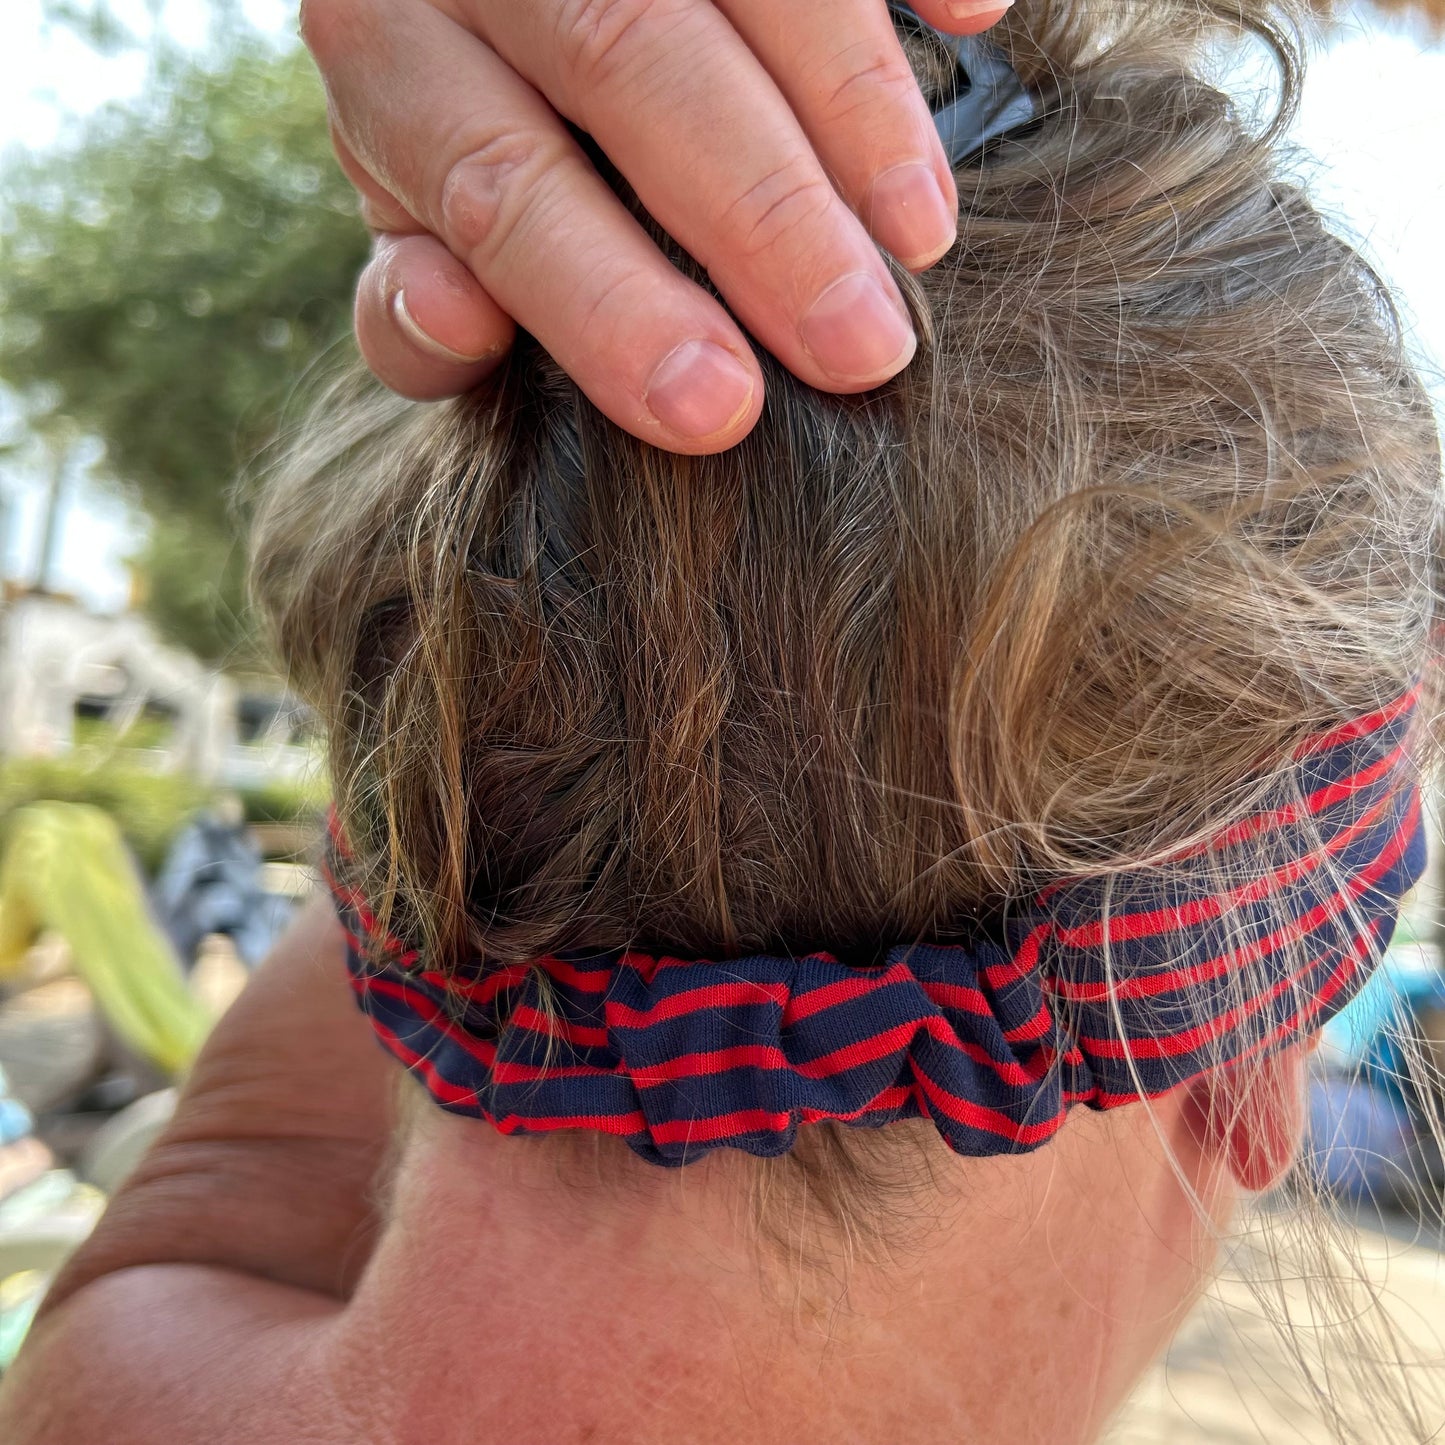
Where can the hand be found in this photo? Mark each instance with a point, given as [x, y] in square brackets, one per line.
[728, 117]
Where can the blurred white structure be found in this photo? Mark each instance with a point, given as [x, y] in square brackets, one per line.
[59, 663]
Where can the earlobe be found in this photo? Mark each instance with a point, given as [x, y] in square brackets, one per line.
[1256, 1114]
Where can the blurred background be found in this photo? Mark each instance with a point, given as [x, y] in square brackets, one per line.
[177, 249]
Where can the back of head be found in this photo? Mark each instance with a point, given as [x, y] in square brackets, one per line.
[1156, 504]
[1156, 500]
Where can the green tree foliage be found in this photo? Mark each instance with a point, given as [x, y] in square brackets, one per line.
[166, 278]
[194, 585]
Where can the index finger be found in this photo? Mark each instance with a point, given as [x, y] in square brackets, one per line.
[477, 156]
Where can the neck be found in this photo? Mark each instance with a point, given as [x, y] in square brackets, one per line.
[512, 1300]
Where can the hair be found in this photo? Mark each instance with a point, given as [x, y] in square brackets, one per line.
[1157, 499]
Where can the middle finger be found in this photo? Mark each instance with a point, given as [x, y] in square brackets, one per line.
[689, 115]
[842, 69]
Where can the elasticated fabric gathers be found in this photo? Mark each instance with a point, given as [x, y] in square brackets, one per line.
[1096, 991]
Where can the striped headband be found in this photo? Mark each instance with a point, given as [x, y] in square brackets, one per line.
[1094, 992]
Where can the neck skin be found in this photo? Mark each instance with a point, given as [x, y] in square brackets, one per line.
[507, 1301]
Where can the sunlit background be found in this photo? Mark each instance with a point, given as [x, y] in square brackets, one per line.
[176, 250]
[1369, 132]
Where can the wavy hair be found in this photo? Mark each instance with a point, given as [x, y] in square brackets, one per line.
[1157, 499]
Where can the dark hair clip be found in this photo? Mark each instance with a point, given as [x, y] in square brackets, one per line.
[988, 99]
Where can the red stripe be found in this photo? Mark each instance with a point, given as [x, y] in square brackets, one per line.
[582, 1036]
[483, 990]
[711, 1061]
[705, 1130]
[720, 1126]
[506, 1072]
[333, 831]
[622, 1125]
[693, 1000]
[353, 899]
[1024, 962]
[814, 1001]
[1360, 727]
[850, 1056]
[484, 1052]
[1035, 1028]
[1297, 1023]
[439, 1087]
[1313, 803]
[1150, 922]
[1188, 1041]
[893, 1098]
[1309, 806]
[585, 980]
[989, 1121]
[648, 966]
[515, 975]
[959, 996]
[1170, 980]
[971, 1000]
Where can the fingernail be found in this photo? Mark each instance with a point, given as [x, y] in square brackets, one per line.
[857, 332]
[424, 340]
[909, 215]
[699, 390]
[972, 9]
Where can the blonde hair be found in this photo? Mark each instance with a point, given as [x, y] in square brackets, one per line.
[1157, 500]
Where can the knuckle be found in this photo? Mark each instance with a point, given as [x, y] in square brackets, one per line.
[865, 81]
[485, 193]
[596, 38]
[324, 28]
[792, 199]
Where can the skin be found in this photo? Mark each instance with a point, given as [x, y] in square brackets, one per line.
[267, 1274]
[262, 1278]
[782, 144]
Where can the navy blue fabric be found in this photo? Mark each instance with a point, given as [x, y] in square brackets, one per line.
[1095, 992]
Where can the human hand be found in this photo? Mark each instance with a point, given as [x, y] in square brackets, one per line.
[770, 139]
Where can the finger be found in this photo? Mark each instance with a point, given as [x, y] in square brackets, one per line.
[424, 325]
[379, 208]
[841, 67]
[482, 161]
[717, 156]
[962, 17]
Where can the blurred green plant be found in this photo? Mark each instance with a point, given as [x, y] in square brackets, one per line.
[147, 732]
[193, 585]
[169, 275]
[150, 808]
[284, 801]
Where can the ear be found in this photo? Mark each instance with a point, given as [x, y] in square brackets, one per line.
[1256, 1114]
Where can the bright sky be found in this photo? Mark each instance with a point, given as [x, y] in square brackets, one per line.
[1374, 116]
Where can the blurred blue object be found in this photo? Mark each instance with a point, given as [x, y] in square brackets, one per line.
[1369, 1133]
[212, 883]
[1361, 1141]
[15, 1120]
[1368, 1035]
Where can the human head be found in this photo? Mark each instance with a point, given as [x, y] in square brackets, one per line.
[1155, 504]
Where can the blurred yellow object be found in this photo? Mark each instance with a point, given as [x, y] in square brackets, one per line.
[67, 869]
